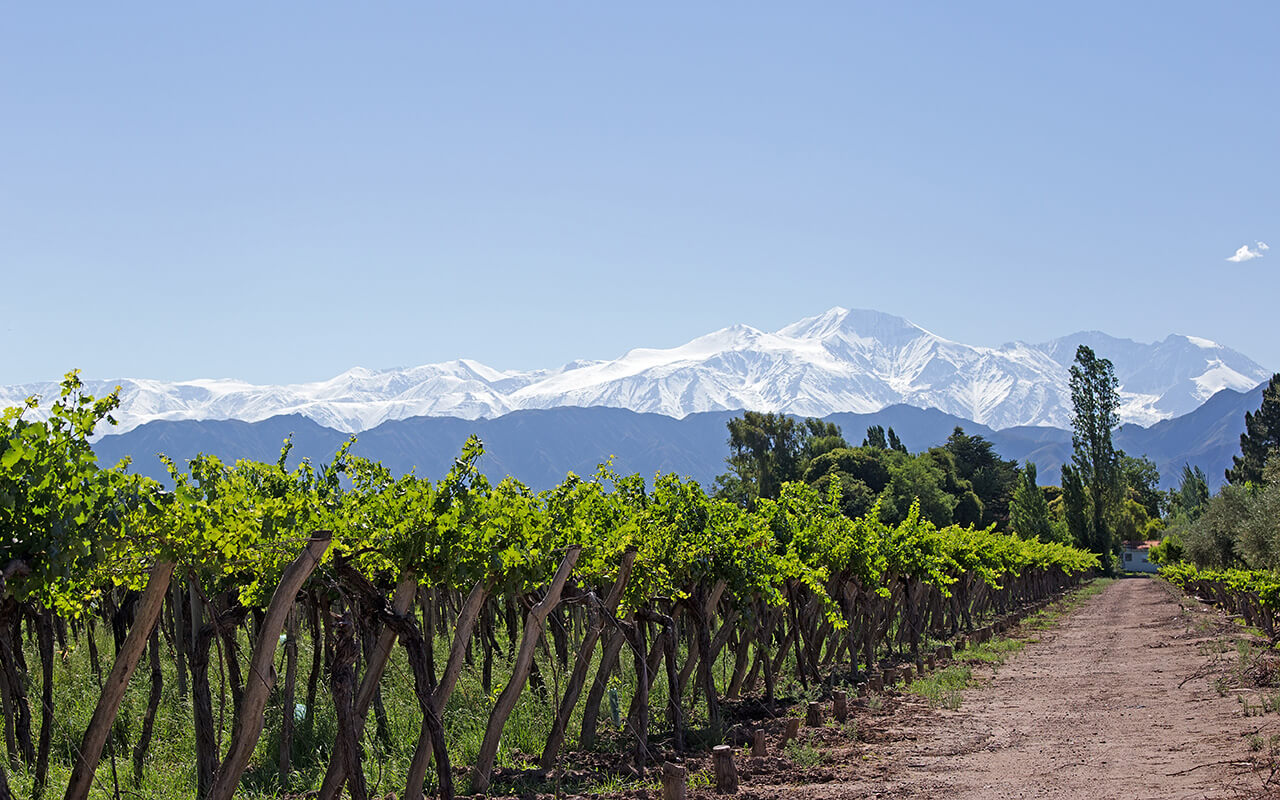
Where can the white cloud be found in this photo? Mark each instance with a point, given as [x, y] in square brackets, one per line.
[1247, 253]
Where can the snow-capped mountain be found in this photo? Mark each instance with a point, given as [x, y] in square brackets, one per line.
[842, 360]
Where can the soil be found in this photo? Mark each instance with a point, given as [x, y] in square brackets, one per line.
[1137, 693]
[1128, 696]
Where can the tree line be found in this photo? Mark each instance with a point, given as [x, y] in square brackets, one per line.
[1106, 497]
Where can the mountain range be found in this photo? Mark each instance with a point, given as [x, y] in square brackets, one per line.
[841, 361]
[540, 446]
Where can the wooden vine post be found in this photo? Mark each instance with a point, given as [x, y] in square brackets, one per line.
[582, 664]
[813, 716]
[248, 724]
[840, 706]
[524, 662]
[402, 601]
[674, 781]
[104, 714]
[462, 629]
[792, 731]
[726, 773]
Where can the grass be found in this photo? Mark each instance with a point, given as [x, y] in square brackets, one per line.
[169, 769]
[994, 651]
[804, 754]
[944, 688]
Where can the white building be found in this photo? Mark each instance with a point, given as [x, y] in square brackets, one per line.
[1133, 557]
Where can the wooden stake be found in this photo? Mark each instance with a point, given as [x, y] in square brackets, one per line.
[758, 747]
[726, 773]
[792, 731]
[674, 781]
[840, 706]
[813, 716]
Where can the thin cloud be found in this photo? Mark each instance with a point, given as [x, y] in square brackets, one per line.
[1247, 253]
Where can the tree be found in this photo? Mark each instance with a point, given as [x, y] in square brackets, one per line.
[1095, 399]
[895, 443]
[1192, 494]
[875, 438]
[1142, 480]
[862, 473]
[916, 479]
[967, 509]
[993, 478]
[767, 450]
[818, 438]
[1075, 508]
[1028, 510]
[1261, 437]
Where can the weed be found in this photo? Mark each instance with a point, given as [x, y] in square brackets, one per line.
[875, 701]
[942, 688]
[804, 754]
[617, 784]
[1255, 742]
[995, 651]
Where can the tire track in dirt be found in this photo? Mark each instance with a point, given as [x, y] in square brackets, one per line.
[1092, 710]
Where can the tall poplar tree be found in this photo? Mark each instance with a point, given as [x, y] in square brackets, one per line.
[1095, 399]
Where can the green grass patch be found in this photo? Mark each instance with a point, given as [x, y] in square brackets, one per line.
[944, 688]
[995, 651]
[804, 754]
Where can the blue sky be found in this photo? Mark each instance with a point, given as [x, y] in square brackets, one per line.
[280, 191]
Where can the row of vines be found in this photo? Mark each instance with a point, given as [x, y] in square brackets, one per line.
[1252, 594]
[292, 591]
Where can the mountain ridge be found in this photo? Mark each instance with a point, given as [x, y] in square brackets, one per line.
[842, 360]
[539, 446]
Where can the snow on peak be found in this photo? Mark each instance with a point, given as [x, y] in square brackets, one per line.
[1203, 344]
[840, 360]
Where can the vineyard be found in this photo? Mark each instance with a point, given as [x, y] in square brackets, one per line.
[1254, 595]
[255, 630]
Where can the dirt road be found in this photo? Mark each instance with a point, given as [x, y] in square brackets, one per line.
[1093, 709]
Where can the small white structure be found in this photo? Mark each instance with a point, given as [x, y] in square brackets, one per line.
[1133, 557]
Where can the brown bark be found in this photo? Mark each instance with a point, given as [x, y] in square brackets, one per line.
[104, 714]
[427, 740]
[675, 782]
[376, 665]
[44, 640]
[317, 658]
[180, 640]
[524, 661]
[705, 678]
[343, 679]
[249, 722]
[695, 650]
[673, 687]
[726, 774]
[641, 729]
[573, 689]
[153, 705]
[288, 700]
[202, 702]
[7, 710]
[591, 712]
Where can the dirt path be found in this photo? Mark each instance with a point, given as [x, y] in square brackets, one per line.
[1091, 710]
